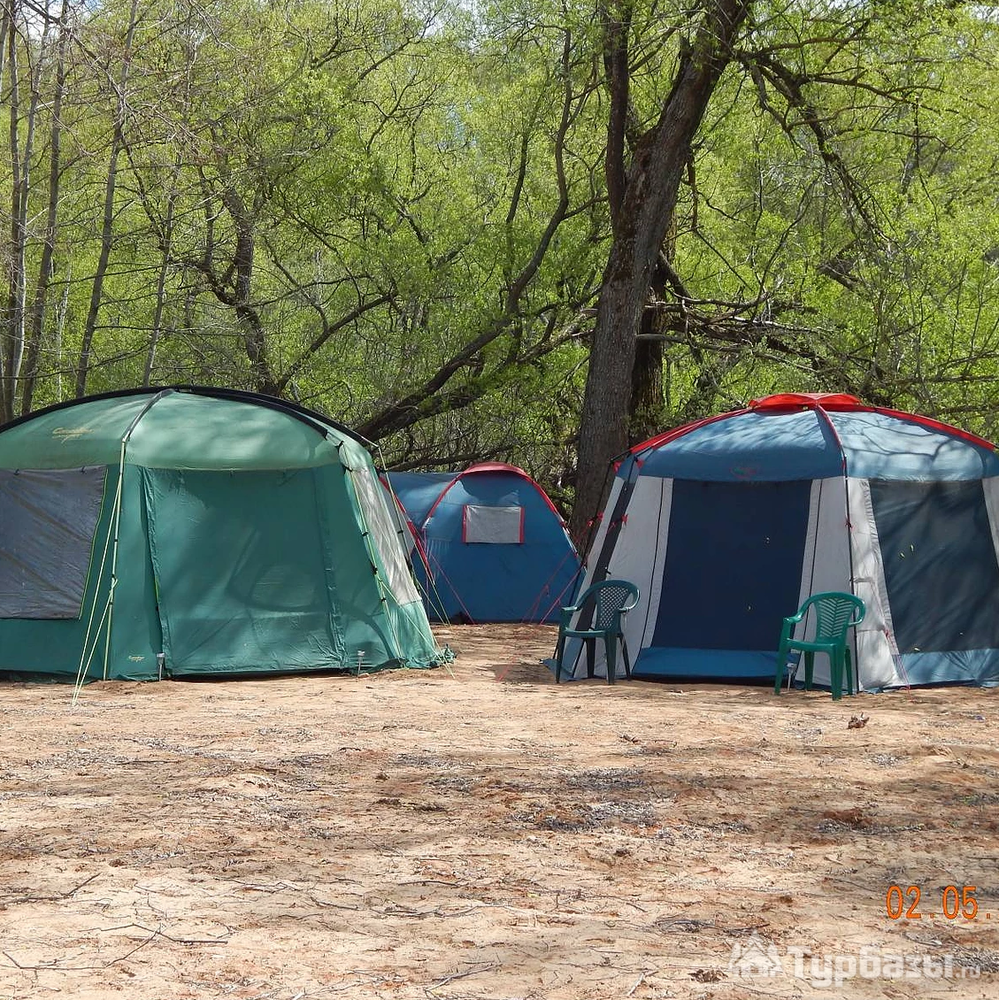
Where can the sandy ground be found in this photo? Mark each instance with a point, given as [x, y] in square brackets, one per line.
[480, 832]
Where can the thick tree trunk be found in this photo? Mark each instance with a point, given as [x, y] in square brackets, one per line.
[250, 320]
[646, 216]
[647, 409]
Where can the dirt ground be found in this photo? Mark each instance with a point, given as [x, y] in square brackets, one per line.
[479, 832]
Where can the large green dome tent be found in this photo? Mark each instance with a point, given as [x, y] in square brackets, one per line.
[231, 532]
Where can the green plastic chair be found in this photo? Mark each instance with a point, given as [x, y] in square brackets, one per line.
[835, 615]
[611, 600]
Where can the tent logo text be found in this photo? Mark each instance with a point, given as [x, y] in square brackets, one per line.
[70, 433]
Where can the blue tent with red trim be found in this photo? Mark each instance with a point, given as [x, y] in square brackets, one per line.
[489, 545]
[727, 525]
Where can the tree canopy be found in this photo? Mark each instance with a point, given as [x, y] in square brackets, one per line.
[528, 230]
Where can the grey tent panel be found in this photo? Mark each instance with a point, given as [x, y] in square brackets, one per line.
[49, 518]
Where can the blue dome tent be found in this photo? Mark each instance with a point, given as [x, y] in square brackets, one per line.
[729, 523]
[490, 545]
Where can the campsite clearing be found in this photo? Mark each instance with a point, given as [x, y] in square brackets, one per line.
[480, 832]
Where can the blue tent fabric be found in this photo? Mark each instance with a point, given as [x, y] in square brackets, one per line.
[522, 575]
[757, 445]
[419, 491]
[729, 524]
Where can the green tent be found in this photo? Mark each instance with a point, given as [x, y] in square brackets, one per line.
[233, 533]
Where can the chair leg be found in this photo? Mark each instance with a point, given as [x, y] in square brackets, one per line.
[836, 673]
[782, 654]
[627, 658]
[559, 653]
[610, 645]
[809, 668]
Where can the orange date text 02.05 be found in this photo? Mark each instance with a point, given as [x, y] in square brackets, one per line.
[903, 902]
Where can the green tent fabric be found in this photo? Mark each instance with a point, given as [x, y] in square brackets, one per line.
[232, 532]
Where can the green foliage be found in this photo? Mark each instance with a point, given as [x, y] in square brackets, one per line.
[339, 201]
[866, 260]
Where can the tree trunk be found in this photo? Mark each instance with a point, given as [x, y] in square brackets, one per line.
[107, 228]
[6, 30]
[12, 332]
[48, 246]
[165, 248]
[254, 335]
[21, 162]
[647, 410]
[646, 215]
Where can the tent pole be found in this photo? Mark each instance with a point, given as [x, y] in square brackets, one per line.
[849, 528]
[126, 437]
[424, 555]
[369, 545]
[84, 661]
[400, 527]
[412, 534]
[114, 550]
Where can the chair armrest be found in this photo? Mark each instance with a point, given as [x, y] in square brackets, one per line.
[565, 616]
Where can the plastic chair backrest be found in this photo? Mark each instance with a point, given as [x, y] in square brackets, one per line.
[609, 597]
[834, 614]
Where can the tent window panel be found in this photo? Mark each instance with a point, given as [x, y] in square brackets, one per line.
[940, 564]
[49, 518]
[493, 525]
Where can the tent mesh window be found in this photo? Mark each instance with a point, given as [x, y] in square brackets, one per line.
[50, 517]
[493, 525]
[940, 564]
[374, 503]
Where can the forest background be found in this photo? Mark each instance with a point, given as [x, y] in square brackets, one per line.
[424, 218]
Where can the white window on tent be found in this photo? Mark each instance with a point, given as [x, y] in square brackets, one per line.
[493, 525]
